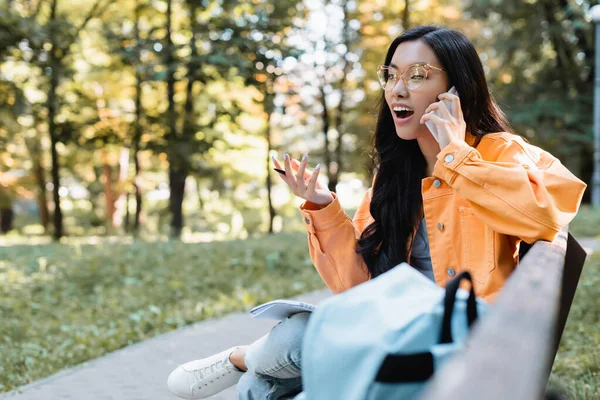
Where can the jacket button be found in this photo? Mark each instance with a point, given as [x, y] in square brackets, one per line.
[449, 158]
[450, 272]
[440, 226]
[307, 220]
[437, 183]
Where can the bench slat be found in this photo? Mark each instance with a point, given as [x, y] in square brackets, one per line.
[510, 348]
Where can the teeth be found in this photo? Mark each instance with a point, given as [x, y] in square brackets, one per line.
[402, 109]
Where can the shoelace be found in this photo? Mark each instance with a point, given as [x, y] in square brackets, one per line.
[202, 373]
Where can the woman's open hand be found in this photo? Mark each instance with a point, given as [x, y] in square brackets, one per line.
[303, 183]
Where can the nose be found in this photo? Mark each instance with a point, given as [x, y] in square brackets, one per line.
[399, 89]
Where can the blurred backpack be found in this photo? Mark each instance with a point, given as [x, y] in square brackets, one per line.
[384, 338]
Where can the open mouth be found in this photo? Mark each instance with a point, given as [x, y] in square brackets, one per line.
[403, 114]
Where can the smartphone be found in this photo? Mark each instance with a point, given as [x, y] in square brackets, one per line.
[448, 105]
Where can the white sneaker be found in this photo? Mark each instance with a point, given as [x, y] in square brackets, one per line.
[200, 379]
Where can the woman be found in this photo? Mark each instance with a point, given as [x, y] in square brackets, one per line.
[462, 200]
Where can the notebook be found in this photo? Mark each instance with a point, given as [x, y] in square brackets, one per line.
[280, 309]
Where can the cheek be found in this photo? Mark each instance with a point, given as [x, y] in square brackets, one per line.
[422, 107]
[388, 101]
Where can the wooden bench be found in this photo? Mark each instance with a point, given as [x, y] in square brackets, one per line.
[511, 351]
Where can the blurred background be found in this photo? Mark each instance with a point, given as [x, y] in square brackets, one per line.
[133, 130]
[158, 118]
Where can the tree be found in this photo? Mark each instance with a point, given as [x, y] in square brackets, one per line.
[540, 56]
[58, 35]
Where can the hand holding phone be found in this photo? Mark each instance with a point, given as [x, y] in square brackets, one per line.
[448, 104]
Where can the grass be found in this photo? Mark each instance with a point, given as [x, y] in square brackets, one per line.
[576, 368]
[61, 305]
[586, 223]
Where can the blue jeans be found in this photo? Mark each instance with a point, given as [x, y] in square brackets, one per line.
[273, 362]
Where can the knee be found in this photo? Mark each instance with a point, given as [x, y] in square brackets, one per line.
[281, 349]
[290, 333]
[294, 324]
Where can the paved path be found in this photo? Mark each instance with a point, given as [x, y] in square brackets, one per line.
[140, 371]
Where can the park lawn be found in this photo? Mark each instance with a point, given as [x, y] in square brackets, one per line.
[577, 366]
[61, 305]
[586, 223]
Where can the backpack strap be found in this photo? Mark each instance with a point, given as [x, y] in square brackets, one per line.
[451, 289]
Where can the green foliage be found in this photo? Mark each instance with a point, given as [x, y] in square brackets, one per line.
[586, 223]
[540, 59]
[61, 305]
[576, 369]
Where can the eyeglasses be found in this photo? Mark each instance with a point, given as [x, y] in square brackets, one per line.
[413, 76]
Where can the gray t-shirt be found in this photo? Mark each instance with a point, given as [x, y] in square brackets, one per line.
[420, 257]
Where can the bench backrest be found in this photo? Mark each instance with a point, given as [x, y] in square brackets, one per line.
[511, 351]
[574, 260]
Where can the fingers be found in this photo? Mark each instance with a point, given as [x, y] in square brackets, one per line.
[300, 173]
[313, 179]
[276, 163]
[295, 164]
[455, 104]
[456, 107]
[440, 108]
[291, 181]
[299, 181]
[431, 117]
[287, 177]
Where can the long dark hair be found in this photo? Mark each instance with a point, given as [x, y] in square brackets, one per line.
[397, 203]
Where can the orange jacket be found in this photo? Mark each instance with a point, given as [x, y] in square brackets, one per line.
[479, 204]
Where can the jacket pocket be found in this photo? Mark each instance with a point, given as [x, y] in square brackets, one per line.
[477, 245]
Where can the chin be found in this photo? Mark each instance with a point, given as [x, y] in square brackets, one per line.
[410, 132]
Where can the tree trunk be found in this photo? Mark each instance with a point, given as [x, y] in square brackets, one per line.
[138, 190]
[127, 223]
[564, 57]
[40, 179]
[192, 67]
[269, 108]
[177, 183]
[6, 219]
[138, 126]
[170, 60]
[34, 148]
[177, 163]
[405, 16]
[334, 176]
[335, 173]
[51, 105]
[325, 118]
[109, 195]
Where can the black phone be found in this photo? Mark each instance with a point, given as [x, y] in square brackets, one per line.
[282, 172]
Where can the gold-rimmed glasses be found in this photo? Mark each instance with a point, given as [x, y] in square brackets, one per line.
[414, 75]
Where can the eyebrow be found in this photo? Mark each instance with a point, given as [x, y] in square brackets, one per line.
[416, 62]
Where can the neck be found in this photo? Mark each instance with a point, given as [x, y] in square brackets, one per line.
[430, 149]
